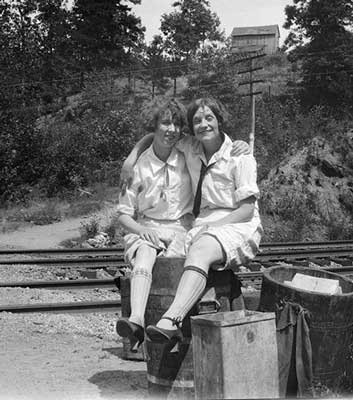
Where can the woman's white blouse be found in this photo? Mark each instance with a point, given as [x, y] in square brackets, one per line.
[160, 190]
[231, 178]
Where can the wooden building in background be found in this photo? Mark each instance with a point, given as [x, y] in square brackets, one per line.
[253, 38]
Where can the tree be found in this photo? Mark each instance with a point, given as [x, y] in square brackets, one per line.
[106, 33]
[321, 38]
[156, 62]
[34, 37]
[55, 47]
[186, 30]
[189, 27]
[19, 47]
[214, 74]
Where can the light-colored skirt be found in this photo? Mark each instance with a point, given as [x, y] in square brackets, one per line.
[240, 241]
[171, 244]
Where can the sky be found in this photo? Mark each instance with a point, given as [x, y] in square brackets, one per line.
[232, 13]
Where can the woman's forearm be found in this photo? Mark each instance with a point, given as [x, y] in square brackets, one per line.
[129, 223]
[243, 213]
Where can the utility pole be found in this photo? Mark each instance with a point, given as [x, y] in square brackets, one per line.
[251, 57]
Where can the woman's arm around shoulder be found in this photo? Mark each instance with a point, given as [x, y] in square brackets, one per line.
[127, 173]
[240, 147]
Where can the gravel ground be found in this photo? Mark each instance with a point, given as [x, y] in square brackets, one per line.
[62, 356]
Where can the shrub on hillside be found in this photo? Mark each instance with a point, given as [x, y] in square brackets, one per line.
[19, 157]
[73, 151]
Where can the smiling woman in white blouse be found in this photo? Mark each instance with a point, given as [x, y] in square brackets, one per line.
[155, 210]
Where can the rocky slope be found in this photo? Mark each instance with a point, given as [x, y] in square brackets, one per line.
[311, 192]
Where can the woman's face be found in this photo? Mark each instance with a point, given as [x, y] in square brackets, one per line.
[167, 132]
[205, 124]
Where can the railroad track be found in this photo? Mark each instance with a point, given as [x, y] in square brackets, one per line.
[113, 257]
[82, 252]
[253, 278]
[321, 253]
[77, 306]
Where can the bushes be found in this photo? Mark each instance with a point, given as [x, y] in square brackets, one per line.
[20, 164]
[75, 150]
[62, 155]
[94, 132]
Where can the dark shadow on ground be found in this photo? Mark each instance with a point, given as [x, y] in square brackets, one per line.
[121, 384]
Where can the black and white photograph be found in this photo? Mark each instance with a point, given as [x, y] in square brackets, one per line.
[176, 199]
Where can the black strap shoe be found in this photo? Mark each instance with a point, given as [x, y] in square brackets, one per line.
[161, 335]
[134, 332]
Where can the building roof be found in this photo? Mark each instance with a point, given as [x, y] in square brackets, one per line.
[256, 30]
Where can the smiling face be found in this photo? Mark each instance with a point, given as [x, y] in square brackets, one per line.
[167, 132]
[205, 125]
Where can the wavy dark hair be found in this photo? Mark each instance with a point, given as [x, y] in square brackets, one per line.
[215, 106]
[157, 109]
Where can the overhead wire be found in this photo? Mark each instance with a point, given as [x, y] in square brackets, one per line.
[120, 97]
[117, 75]
[149, 70]
[200, 68]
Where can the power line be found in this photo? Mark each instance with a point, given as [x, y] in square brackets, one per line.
[120, 96]
[116, 75]
[147, 70]
[314, 53]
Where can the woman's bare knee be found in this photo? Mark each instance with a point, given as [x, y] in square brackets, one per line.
[145, 257]
[205, 251]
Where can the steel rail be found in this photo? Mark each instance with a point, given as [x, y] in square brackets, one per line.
[61, 251]
[61, 284]
[330, 243]
[111, 282]
[119, 250]
[118, 261]
[78, 306]
[302, 254]
[93, 262]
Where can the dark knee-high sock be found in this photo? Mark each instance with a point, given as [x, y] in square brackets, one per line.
[191, 286]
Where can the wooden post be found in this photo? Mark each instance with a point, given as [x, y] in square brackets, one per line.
[252, 95]
[252, 111]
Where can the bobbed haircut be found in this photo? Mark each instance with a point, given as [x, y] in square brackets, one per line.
[214, 105]
[158, 108]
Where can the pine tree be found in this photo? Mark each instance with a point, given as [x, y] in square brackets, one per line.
[106, 33]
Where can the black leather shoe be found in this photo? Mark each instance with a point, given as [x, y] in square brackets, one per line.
[161, 335]
[134, 332]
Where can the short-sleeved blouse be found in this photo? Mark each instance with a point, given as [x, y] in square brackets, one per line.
[160, 190]
[229, 180]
